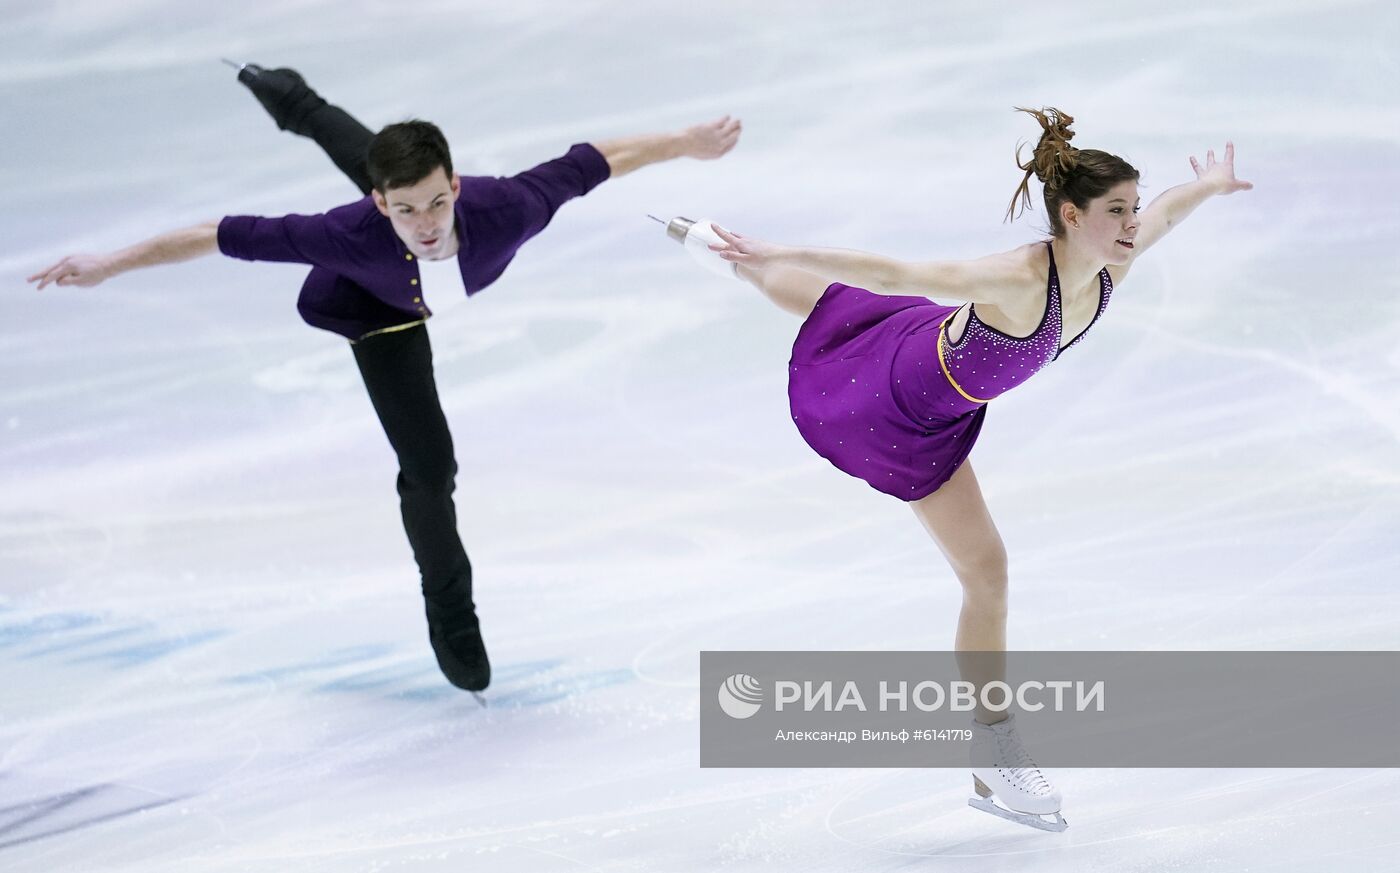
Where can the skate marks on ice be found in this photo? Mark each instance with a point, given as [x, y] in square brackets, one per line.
[386, 673]
[78, 637]
[75, 810]
[71, 638]
[985, 801]
[37, 545]
[1210, 819]
[138, 712]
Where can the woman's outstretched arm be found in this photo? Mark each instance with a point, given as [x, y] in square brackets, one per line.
[1000, 279]
[1172, 206]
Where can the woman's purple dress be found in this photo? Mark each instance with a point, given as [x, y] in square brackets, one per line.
[879, 390]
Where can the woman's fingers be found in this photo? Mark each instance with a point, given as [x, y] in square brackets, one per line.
[45, 276]
[64, 274]
[731, 238]
[51, 275]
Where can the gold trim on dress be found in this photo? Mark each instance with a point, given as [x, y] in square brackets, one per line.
[947, 374]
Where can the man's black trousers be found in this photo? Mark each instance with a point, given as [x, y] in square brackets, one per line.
[397, 368]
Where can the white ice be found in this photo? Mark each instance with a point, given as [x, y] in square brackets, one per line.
[212, 651]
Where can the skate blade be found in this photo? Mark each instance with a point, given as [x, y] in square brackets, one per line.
[480, 698]
[986, 804]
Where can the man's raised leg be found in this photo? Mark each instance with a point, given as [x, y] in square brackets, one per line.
[295, 107]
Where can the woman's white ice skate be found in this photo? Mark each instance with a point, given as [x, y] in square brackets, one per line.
[697, 237]
[1003, 771]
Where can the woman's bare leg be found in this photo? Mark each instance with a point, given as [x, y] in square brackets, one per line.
[957, 518]
[795, 291]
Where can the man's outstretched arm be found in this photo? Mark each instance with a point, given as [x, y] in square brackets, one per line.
[168, 248]
[707, 141]
[543, 189]
[296, 239]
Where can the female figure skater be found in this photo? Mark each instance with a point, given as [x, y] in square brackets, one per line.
[892, 388]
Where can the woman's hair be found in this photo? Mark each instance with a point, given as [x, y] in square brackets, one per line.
[1068, 173]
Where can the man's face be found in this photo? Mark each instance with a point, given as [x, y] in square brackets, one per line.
[422, 213]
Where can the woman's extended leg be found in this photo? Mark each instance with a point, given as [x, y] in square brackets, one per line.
[796, 291]
[295, 107]
[956, 516]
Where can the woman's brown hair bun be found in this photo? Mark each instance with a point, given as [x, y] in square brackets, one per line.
[1068, 173]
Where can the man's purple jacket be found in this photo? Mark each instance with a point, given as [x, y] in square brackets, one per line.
[364, 280]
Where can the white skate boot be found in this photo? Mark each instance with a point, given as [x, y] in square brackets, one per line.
[1002, 769]
[697, 237]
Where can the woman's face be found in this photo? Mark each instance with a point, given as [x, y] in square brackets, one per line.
[1110, 224]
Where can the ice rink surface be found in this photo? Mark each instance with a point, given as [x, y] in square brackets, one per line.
[212, 650]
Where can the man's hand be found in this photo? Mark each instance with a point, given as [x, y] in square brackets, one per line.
[168, 248]
[711, 140]
[703, 141]
[82, 270]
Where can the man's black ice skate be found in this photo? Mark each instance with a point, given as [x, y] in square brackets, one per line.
[455, 633]
[283, 93]
[300, 110]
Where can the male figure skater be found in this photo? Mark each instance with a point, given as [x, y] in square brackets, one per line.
[365, 285]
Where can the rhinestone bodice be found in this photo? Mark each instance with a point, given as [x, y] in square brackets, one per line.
[985, 363]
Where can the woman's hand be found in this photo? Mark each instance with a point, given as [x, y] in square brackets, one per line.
[747, 251]
[1221, 175]
[82, 270]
